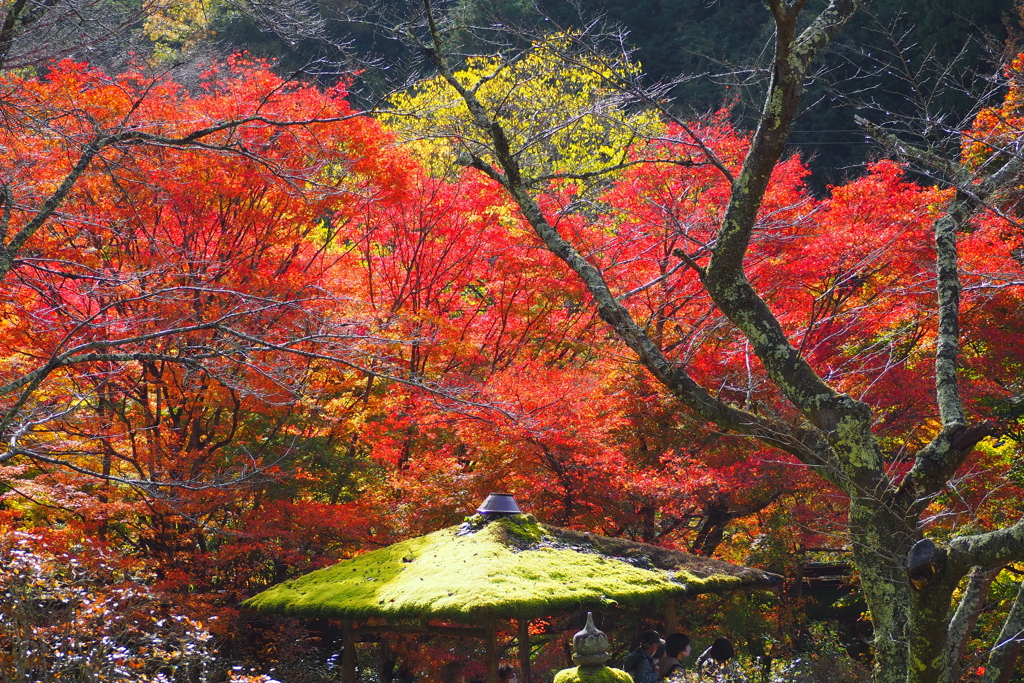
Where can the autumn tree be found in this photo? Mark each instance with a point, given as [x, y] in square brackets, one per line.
[163, 246]
[979, 273]
[620, 469]
[828, 421]
[581, 428]
[175, 322]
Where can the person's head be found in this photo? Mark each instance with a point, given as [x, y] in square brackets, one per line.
[452, 672]
[650, 641]
[506, 674]
[677, 645]
[722, 650]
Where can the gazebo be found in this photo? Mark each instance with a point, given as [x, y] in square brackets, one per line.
[498, 565]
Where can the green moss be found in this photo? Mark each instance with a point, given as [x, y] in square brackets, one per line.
[511, 567]
[523, 529]
[592, 674]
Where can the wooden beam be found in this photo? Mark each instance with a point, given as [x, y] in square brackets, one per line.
[348, 652]
[523, 638]
[671, 620]
[454, 631]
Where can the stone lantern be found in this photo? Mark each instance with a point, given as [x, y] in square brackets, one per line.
[590, 652]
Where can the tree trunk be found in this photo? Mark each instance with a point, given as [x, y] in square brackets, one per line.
[963, 620]
[1007, 646]
[880, 546]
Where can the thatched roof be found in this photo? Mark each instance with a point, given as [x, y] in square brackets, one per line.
[512, 567]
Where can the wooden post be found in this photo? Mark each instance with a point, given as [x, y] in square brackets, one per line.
[523, 637]
[670, 617]
[348, 652]
[492, 651]
[387, 673]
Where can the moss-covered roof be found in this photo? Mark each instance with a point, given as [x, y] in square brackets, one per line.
[510, 567]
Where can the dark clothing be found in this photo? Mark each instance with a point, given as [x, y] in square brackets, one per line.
[667, 666]
[640, 666]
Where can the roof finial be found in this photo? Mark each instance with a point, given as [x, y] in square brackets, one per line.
[499, 505]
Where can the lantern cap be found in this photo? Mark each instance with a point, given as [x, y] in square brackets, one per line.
[499, 504]
[590, 646]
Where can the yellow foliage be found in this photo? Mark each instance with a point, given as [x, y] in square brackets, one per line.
[175, 26]
[996, 128]
[561, 114]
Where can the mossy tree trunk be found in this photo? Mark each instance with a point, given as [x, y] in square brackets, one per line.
[836, 436]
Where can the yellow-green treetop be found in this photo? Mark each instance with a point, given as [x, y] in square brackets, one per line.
[561, 116]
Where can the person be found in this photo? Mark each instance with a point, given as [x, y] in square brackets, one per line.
[715, 660]
[506, 674]
[639, 663]
[677, 646]
[453, 672]
[721, 651]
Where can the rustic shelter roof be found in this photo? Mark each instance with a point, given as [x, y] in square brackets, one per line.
[510, 567]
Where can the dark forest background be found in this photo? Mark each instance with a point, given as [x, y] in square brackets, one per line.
[944, 52]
